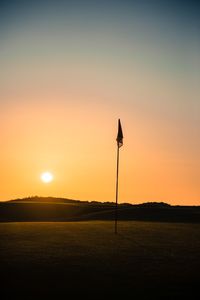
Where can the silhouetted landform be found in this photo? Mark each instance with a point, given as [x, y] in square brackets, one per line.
[60, 209]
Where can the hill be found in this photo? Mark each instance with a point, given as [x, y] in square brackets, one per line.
[63, 209]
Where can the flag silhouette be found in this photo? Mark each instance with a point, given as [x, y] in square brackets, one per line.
[119, 135]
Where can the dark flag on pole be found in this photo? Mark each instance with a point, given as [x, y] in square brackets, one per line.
[119, 135]
[119, 144]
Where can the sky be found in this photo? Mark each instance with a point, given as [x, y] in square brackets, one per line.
[70, 69]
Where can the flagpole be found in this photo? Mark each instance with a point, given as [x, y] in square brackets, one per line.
[119, 144]
[117, 180]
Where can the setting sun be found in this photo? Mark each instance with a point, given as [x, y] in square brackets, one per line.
[46, 177]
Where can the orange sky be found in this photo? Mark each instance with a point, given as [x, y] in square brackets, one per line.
[64, 84]
[77, 144]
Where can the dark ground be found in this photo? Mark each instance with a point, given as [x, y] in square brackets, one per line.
[39, 209]
[146, 260]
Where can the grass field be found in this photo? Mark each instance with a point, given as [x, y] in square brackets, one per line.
[148, 260]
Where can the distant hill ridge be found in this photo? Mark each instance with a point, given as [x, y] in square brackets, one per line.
[67, 200]
[52, 209]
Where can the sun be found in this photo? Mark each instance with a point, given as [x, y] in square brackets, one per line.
[46, 177]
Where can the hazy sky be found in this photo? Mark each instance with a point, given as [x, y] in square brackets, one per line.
[70, 69]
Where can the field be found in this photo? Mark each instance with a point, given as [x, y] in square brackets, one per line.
[146, 260]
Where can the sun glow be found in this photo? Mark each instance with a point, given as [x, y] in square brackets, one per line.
[46, 177]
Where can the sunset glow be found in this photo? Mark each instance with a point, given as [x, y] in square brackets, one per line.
[68, 74]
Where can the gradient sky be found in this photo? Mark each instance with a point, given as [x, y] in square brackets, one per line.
[70, 69]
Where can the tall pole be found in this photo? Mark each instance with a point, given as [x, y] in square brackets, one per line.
[119, 140]
[117, 181]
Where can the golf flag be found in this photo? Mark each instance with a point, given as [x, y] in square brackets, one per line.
[119, 135]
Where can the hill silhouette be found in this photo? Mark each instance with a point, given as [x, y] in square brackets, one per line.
[62, 209]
